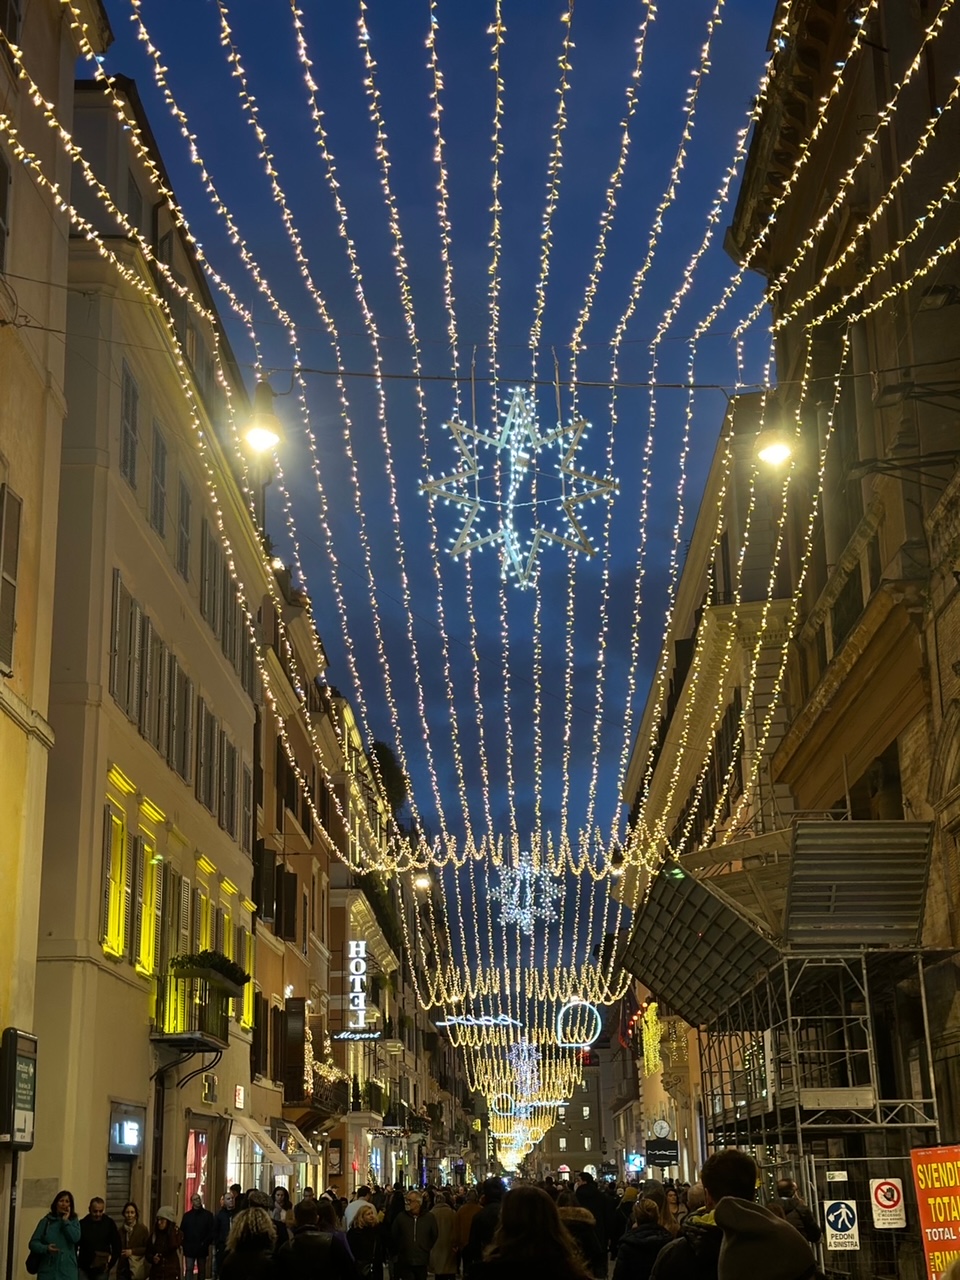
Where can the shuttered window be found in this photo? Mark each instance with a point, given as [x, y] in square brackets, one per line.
[125, 653]
[129, 426]
[11, 509]
[208, 758]
[150, 909]
[228, 785]
[113, 880]
[179, 719]
[158, 482]
[184, 504]
[132, 897]
[246, 807]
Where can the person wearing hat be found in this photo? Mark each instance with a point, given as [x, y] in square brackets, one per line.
[260, 1200]
[163, 1251]
[760, 1244]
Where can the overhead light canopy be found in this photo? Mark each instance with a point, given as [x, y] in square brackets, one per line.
[264, 432]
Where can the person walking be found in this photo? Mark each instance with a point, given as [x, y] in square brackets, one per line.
[282, 1206]
[796, 1212]
[55, 1240]
[99, 1249]
[465, 1216]
[485, 1222]
[413, 1235]
[223, 1221]
[582, 1225]
[197, 1229]
[363, 1197]
[443, 1255]
[163, 1250]
[365, 1238]
[641, 1243]
[250, 1244]
[134, 1240]
[695, 1253]
[312, 1252]
[530, 1239]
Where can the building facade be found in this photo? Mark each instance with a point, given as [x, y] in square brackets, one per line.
[34, 236]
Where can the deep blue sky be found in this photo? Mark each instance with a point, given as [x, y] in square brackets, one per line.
[187, 33]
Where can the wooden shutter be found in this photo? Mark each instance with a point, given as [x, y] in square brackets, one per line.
[132, 701]
[183, 919]
[145, 692]
[288, 930]
[219, 930]
[197, 941]
[156, 908]
[294, 1032]
[132, 897]
[11, 508]
[106, 872]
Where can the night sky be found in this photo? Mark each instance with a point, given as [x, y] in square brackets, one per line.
[602, 61]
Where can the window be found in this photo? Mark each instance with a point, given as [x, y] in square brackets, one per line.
[305, 924]
[562, 1143]
[179, 719]
[158, 489]
[246, 814]
[562, 1112]
[10, 510]
[154, 674]
[129, 426]
[586, 1113]
[4, 195]
[134, 201]
[148, 898]
[208, 742]
[211, 578]
[113, 881]
[587, 1142]
[125, 649]
[183, 531]
[10, 16]
[229, 763]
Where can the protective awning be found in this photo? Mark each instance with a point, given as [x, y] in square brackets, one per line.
[262, 1139]
[310, 1153]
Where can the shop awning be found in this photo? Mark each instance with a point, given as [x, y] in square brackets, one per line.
[262, 1139]
[311, 1154]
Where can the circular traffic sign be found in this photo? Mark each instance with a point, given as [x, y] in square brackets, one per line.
[887, 1195]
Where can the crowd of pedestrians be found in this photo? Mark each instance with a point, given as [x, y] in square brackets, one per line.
[713, 1230]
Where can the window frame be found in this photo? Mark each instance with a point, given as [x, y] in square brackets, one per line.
[129, 425]
[10, 502]
[158, 482]
[184, 511]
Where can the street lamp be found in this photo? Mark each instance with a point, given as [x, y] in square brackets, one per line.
[262, 436]
[775, 446]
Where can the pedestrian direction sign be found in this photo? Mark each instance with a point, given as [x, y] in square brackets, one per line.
[886, 1203]
[843, 1231]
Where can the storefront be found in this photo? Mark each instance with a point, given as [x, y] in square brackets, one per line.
[254, 1158]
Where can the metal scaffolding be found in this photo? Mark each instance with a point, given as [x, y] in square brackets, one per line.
[798, 957]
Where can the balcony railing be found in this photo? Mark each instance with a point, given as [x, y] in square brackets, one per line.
[192, 1013]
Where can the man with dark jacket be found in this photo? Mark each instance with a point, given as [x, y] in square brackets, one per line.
[99, 1248]
[197, 1229]
[412, 1236]
[484, 1223]
[589, 1196]
[312, 1252]
[222, 1223]
[796, 1212]
[695, 1253]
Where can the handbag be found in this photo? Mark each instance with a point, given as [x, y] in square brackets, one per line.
[33, 1261]
[138, 1268]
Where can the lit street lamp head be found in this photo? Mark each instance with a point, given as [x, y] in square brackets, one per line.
[774, 446]
[263, 433]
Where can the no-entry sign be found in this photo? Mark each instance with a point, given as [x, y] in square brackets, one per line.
[936, 1175]
[886, 1203]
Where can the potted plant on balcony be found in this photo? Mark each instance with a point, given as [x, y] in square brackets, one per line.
[213, 967]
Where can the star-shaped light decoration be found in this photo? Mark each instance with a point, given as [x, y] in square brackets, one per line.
[526, 893]
[521, 444]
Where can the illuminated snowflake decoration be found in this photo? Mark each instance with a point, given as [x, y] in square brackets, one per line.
[526, 893]
[532, 482]
[524, 1059]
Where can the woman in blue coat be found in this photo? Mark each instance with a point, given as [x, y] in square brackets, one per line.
[55, 1240]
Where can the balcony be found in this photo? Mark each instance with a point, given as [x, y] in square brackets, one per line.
[193, 1013]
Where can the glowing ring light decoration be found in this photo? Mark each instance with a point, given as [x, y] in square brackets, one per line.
[497, 1105]
[565, 1030]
